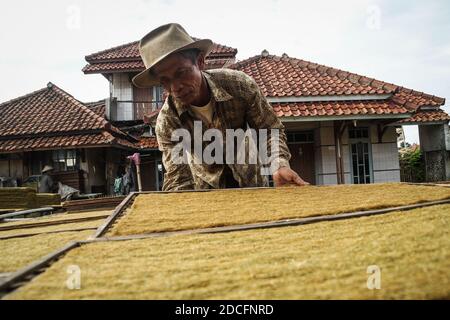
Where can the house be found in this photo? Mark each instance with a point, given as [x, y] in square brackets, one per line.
[341, 127]
[50, 127]
[134, 110]
[120, 64]
[87, 143]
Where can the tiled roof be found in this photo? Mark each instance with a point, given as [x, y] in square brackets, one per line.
[52, 118]
[94, 104]
[284, 77]
[138, 66]
[416, 99]
[63, 141]
[338, 108]
[148, 143]
[98, 107]
[114, 66]
[47, 110]
[130, 51]
[427, 116]
[126, 58]
[287, 77]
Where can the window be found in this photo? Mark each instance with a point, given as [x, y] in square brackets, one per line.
[360, 162]
[300, 137]
[361, 159]
[358, 133]
[65, 160]
[158, 97]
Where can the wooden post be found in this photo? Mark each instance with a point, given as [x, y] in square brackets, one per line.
[136, 158]
[338, 153]
[138, 171]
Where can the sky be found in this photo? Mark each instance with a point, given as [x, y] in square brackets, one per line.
[403, 42]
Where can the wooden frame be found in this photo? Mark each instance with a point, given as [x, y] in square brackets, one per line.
[52, 223]
[31, 234]
[120, 210]
[26, 274]
[27, 212]
[272, 224]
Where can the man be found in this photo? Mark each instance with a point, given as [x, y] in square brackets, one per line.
[46, 182]
[217, 99]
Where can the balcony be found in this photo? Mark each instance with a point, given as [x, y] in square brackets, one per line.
[121, 110]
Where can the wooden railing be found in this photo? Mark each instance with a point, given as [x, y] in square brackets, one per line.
[138, 108]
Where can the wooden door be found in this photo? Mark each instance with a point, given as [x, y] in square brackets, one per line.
[142, 98]
[302, 160]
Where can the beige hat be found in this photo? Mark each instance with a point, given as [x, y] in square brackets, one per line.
[47, 168]
[160, 43]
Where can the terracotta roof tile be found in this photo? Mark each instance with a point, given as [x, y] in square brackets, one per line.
[336, 108]
[126, 58]
[138, 66]
[291, 77]
[114, 66]
[417, 99]
[130, 51]
[61, 142]
[125, 51]
[148, 142]
[98, 107]
[52, 118]
[428, 116]
[284, 77]
[47, 110]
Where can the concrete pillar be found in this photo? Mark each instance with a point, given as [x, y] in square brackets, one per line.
[435, 145]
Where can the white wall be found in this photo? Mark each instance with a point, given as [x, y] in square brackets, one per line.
[122, 89]
[386, 165]
[326, 154]
[385, 156]
[385, 162]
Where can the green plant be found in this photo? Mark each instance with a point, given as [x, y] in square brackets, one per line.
[412, 164]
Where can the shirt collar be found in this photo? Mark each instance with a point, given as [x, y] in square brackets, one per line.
[218, 93]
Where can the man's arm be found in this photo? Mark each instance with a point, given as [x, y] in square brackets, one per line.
[260, 115]
[177, 176]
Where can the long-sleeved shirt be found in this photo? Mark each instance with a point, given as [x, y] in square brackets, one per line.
[238, 104]
[46, 184]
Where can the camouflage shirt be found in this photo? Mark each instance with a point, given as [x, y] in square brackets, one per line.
[238, 104]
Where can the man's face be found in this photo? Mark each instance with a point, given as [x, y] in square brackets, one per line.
[180, 77]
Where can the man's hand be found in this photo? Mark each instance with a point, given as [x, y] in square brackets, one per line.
[285, 175]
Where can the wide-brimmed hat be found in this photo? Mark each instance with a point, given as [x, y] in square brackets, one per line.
[160, 43]
[47, 168]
